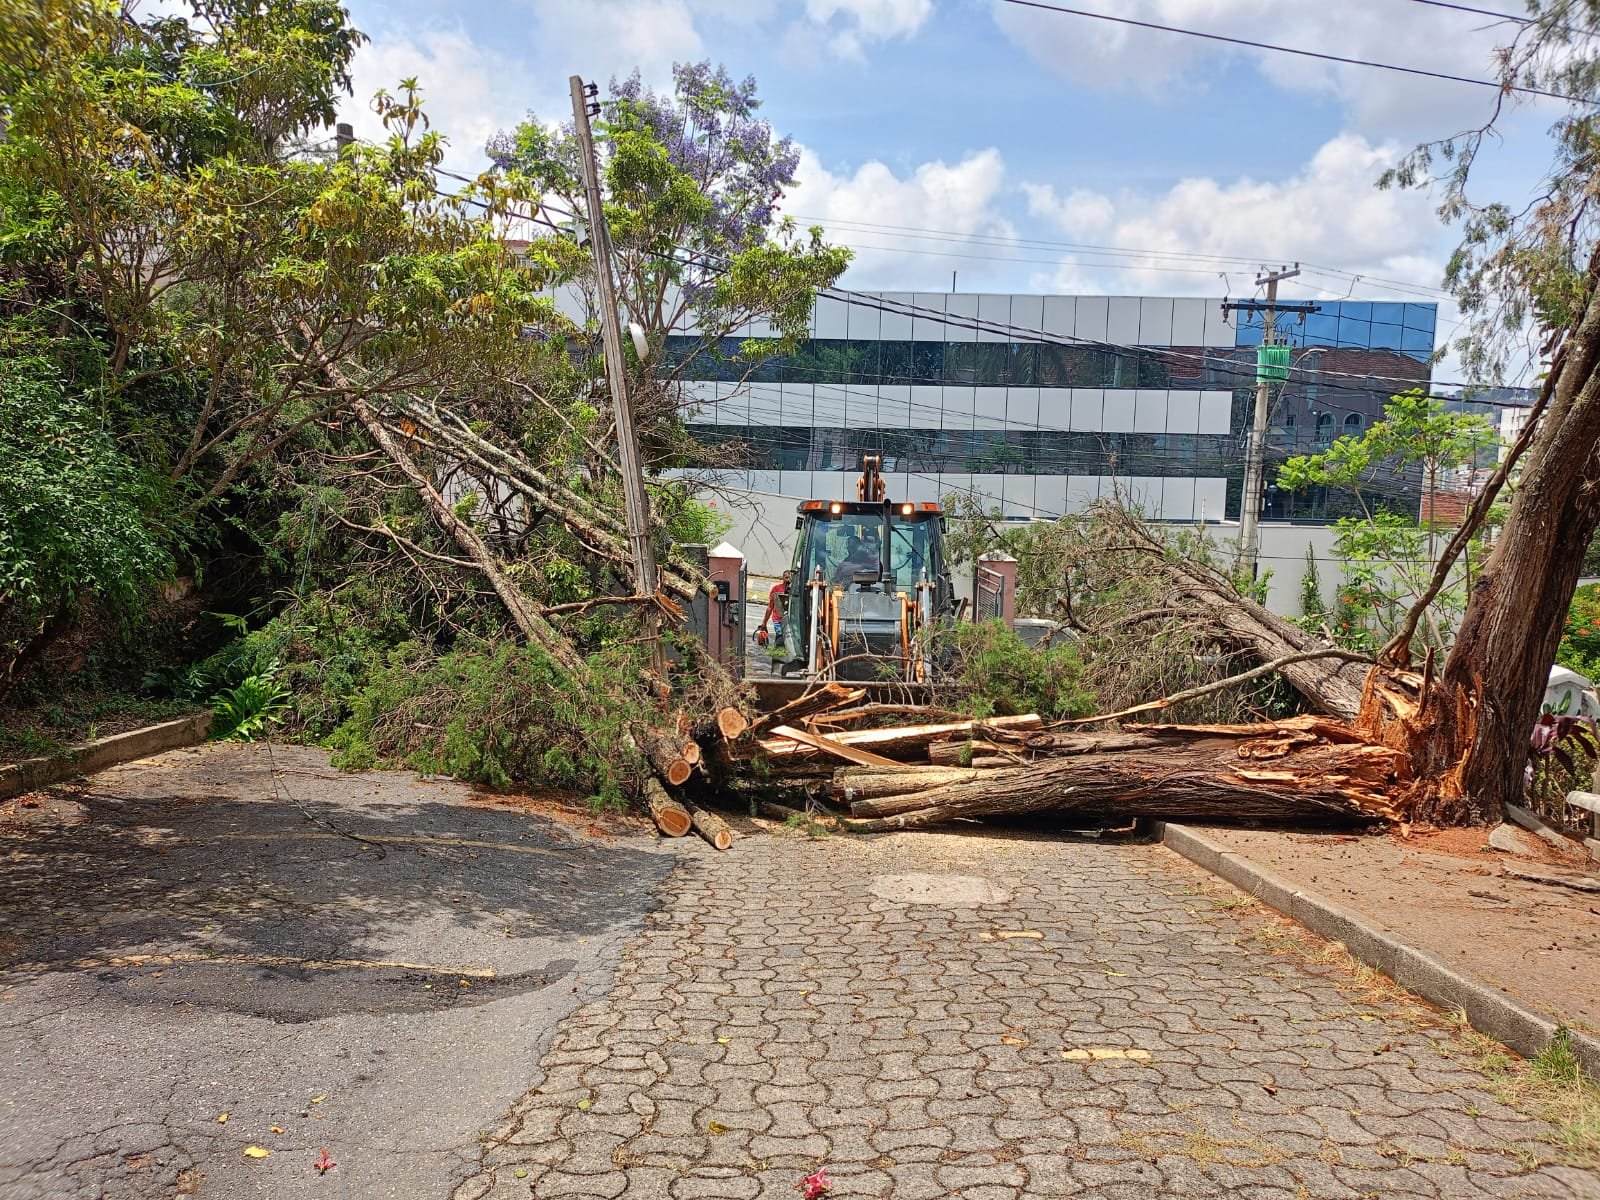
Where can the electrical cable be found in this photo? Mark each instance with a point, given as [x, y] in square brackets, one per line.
[1316, 54]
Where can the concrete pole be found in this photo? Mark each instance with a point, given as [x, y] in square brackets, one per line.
[636, 499]
[1255, 459]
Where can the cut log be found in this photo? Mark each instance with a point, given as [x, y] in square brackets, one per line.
[731, 722]
[711, 827]
[1203, 777]
[671, 818]
[834, 695]
[832, 746]
[900, 742]
[851, 785]
[664, 753]
[960, 753]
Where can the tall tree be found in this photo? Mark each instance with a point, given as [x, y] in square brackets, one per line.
[1529, 278]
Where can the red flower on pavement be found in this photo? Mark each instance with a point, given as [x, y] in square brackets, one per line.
[814, 1184]
[324, 1164]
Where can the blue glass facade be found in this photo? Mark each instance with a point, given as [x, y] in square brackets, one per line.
[1041, 403]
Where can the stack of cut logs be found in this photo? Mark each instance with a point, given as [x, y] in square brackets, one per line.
[828, 753]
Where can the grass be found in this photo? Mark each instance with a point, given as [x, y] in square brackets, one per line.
[1551, 1084]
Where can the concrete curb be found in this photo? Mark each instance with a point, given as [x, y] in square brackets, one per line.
[101, 753]
[1488, 1010]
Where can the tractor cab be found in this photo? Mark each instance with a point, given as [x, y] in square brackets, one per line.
[869, 586]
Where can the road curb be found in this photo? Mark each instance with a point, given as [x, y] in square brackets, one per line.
[1488, 1010]
[31, 773]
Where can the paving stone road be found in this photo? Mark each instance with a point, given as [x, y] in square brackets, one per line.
[931, 1015]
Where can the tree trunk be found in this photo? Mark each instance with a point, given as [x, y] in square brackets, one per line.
[1471, 740]
[1199, 776]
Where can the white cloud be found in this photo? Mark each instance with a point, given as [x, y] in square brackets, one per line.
[469, 91]
[612, 37]
[1108, 55]
[959, 197]
[1327, 213]
[853, 23]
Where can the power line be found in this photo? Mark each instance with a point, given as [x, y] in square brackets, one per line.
[1319, 376]
[1477, 12]
[1316, 54]
[921, 233]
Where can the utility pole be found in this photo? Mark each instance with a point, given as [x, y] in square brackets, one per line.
[1255, 459]
[636, 499]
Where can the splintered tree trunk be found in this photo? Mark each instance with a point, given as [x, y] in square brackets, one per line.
[1470, 743]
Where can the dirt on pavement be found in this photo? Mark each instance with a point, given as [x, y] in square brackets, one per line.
[1448, 892]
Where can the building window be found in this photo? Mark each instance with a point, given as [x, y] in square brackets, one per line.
[1324, 428]
[1352, 425]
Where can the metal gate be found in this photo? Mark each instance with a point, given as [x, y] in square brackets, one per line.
[989, 595]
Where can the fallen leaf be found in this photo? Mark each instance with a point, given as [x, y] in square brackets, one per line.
[318, 1099]
[324, 1164]
[275, 1128]
[586, 1104]
[520, 1173]
[1007, 1039]
[1270, 1089]
[723, 1041]
[256, 1152]
[223, 1119]
[1116, 974]
[716, 1127]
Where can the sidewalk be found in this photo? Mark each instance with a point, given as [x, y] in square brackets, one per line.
[1436, 911]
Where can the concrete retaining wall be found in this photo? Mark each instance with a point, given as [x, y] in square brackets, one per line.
[101, 753]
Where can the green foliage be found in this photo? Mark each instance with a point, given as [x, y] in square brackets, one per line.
[1313, 609]
[1389, 558]
[496, 715]
[999, 674]
[247, 709]
[75, 512]
[1580, 636]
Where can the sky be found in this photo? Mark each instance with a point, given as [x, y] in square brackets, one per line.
[1029, 150]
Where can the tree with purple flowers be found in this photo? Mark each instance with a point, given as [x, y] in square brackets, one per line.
[691, 181]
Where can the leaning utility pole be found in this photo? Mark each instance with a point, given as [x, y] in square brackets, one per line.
[637, 500]
[1255, 458]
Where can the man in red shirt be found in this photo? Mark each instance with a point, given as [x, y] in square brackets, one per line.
[777, 602]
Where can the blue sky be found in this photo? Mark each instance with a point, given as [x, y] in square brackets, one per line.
[991, 124]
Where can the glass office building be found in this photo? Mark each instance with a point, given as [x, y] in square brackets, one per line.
[1040, 404]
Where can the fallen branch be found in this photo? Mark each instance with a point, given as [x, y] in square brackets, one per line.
[1195, 693]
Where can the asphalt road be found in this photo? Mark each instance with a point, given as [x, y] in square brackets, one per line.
[197, 937]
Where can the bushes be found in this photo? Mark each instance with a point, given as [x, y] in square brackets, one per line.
[494, 715]
[1001, 675]
[1580, 639]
